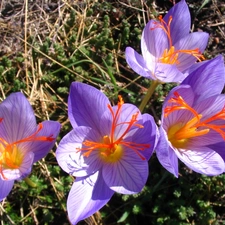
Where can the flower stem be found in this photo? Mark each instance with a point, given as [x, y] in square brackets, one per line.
[148, 95]
[30, 182]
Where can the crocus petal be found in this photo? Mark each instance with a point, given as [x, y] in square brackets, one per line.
[194, 67]
[86, 104]
[5, 187]
[208, 139]
[208, 79]
[166, 154]
[18, 120]
[181, 20]
[210, 106]
[219, 148]
[203, 160]
[41, 148]
[190, 42]
[87, 196]
[154, 40]
[139, 64]
[168, 73]
[149, 134]
[23, 170]
[128, 175]
[71, 160]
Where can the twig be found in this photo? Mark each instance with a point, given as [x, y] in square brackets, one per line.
[2, 209]
[25, 44]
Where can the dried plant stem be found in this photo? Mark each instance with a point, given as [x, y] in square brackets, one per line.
[7, 215]
[25, 44]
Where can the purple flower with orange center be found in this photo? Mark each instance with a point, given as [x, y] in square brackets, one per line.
[107, 150]
[22, 141]
[167, 47]
[193, 122]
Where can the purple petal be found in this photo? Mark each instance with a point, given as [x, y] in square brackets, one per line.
[202, 160]
[168, 73]
[154, 41]
[101, 190]
[219, 148]
[128, 175]
[5, 187]
[147, 135]
[86, 197]
[18, 118]
[41, 148]
[194, 67]
[190, 42]
[208, 79]
[72, 161]
[208, 139]
[86, 105]
[138, 63]
[181, 21]
[210, 106]
[166, 154]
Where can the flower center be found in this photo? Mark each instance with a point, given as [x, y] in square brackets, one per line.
[111, 149]
[170, 56]
[110, 153]
[179, 134]
[11, 156]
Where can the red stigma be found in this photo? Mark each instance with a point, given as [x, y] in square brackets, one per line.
[191, 128]
[110, 143]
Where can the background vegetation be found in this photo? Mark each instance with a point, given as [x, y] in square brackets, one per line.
[47, 44]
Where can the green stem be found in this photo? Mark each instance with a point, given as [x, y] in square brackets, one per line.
[30, 182]
[148, 95]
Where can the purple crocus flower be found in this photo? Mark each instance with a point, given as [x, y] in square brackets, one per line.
[107, 150]
[22, 141]
[167, 47]
[193, 122]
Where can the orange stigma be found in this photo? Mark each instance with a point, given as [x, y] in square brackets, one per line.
[11, 155]
[170, 56]
[180, 133]
[111, 148]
